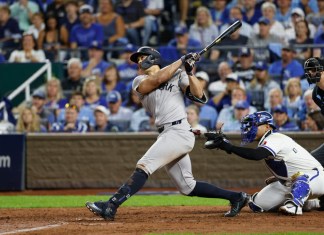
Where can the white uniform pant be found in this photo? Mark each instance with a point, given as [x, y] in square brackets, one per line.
[170, 150]
[275, 194]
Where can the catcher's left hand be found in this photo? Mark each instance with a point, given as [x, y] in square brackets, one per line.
[217, 139]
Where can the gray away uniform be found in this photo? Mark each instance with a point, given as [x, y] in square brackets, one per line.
[166, 104]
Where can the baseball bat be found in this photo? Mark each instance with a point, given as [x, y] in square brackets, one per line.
[231, 29]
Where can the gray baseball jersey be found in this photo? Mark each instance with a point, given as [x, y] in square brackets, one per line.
[166, 104]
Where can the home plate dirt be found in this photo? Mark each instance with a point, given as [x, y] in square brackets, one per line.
[144, 220]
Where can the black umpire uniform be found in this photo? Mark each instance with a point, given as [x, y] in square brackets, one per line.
[314, 72]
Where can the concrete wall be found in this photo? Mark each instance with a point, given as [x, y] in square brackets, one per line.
[107, 160]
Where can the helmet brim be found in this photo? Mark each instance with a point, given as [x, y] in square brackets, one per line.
[134, 56]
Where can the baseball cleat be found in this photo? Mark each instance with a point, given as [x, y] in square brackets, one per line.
[236, 207]
[104, 209]
[291, 209]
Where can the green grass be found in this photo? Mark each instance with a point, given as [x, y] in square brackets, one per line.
[79, 201]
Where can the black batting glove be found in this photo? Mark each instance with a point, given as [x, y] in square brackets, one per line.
[189, 65]
[194, 56]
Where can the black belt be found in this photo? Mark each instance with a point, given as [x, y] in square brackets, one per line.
[161, 129]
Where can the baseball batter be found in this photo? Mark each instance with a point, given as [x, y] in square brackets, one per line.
[298, 175]
[161, 92]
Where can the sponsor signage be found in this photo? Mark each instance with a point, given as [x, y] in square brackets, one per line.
[12, 162]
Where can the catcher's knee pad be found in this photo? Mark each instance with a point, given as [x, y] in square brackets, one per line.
[253, 206]
[300, 189]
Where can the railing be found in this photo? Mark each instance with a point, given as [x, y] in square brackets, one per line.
[47, 67]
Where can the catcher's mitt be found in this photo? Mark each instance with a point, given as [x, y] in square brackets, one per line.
[215, 139]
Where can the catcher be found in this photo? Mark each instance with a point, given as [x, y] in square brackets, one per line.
[298, 176]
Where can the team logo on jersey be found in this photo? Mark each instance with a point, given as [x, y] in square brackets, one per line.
[264, 142]
[166, 86]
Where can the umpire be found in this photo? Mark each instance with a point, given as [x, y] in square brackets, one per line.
[313, 68]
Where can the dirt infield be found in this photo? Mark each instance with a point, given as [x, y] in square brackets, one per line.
[144, 220]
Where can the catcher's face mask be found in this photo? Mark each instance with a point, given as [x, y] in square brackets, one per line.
[313, 70]
[250, 123]
[249, 129]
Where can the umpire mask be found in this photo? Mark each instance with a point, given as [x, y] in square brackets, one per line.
[313, 70]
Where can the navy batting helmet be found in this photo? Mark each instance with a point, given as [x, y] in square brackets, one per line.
[313, 70]
[250, 123]
[153, 57]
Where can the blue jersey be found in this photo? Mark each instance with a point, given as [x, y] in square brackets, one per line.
[84, 37]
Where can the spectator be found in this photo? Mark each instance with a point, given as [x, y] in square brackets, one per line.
[153, 10]
[284, 12]
[47, 117]
[262, 40]
[92, 93]
[203, 29]
[22, 11]
[207, 115]
[219, 12]
[132, 101]
[237, 95]
[57, 9]
[281, 119]
[287, 67]
[118, 113]
[28, 52]
[86, 33]
[74, 81]
[111, 80]
[70, 124]
[275, 98]
[182, 42]
[127, 69]
[302, 37]
[261, 83]
[223, 99]
[317, 18]
[71, 19]
[298, 14]
[310, 6]
[231, 55]
[233, 120]
[112, 23]
[9, 29]
[314, 121]
[293, 98]
[236, 13]
[96, 65]
[142, 121]
[37, 25]
[43, 4]
[252, 12]
[276, 28]
[244, 68]
[102, 123]
[193, 118]
[85, 115]
[216, 87]
[54, 95]
[133, 14]
[49, 39]
[29, 122]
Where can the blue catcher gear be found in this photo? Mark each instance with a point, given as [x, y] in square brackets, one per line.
[313, 70]
[153, 57]
[250, 123]
[300, 189]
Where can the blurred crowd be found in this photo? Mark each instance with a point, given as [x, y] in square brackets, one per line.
[259, 67]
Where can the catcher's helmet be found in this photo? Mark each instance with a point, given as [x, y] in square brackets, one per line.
[250, 123]
[153, 57]
[313, 70]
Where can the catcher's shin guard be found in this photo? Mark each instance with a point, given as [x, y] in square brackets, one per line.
[253, 206]
[300, 189]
